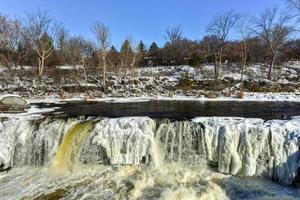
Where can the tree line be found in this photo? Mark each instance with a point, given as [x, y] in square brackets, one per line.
[39, 40]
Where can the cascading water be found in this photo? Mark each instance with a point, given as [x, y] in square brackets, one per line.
[143, 158]
[67, 152]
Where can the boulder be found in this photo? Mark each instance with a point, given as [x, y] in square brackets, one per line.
[12, 103]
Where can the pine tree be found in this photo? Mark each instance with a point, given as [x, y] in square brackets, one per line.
[153, 56]
[126, 53]
[141, 53]
[141, 47]
[113, 57]
[153, 48]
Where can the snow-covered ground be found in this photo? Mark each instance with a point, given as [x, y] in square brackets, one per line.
[167, 82]
[248, 96]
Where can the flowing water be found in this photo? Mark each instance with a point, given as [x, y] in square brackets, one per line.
[92, 157]
[67, 152]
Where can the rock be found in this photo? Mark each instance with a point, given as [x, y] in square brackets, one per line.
[149, 87]
[13, 103]
[144, 79]
[3, 169]
[212, 95]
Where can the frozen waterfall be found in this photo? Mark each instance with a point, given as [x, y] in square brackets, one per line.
[237, 146]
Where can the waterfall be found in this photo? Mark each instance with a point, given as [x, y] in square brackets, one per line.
[30, 141]
[236, 146]
[67, 153]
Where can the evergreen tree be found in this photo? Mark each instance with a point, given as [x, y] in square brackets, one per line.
[141, 53]
[141, 47]
[126, 53]
[153, 55]
[153, 48]
[113, 57]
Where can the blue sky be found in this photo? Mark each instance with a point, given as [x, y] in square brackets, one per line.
[144, 20]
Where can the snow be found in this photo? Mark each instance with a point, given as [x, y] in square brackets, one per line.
[248, 96]
[29, 113]
[291, 97]
[9, 95]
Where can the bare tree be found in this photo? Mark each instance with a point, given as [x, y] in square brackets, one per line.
[103, 35]
[220, 27]
[294, 4]
[245, 35]
[173, 34]
[42, 31]
[76, 50]
[63, 37]
[273, 29]
[13, 40]
[18, 42]
[4, 39]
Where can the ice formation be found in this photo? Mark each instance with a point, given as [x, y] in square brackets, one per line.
[236, 146]
[121, 141]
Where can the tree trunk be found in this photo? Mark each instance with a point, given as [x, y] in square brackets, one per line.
[42, 67]
[104, 69]
[271, 66]
[132, 68]
[243, 65]
[219, 64]
[40, 63]
[84, 70]
[132, 65]
[215, 69]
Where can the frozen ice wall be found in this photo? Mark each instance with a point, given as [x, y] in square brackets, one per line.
[121, 141]
[237, 146]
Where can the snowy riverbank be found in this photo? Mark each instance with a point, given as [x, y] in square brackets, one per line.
[248, 96]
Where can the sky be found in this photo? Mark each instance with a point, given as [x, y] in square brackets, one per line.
[145, 20]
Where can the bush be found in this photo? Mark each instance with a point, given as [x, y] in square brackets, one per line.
[185, 84]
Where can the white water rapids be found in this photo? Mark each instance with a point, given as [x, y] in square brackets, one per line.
[143, 158]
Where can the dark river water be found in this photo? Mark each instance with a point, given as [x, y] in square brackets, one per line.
[178, 110]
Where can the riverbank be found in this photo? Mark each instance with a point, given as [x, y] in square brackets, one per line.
[169, 82]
